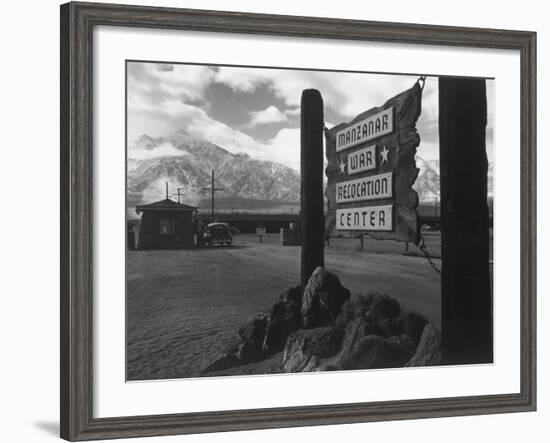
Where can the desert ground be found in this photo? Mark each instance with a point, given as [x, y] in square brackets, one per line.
[185, 306]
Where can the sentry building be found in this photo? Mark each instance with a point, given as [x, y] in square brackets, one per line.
[166, 225]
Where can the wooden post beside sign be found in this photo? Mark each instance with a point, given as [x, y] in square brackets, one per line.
[466, 302]
[371, 169]
[311, 140]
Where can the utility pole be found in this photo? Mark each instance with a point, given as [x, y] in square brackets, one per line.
[167, 196]
[179, 194]
[213, 190]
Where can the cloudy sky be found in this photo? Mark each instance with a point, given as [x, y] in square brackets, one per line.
[257, 111]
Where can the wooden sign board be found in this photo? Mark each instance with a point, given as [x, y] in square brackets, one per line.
[371, 169]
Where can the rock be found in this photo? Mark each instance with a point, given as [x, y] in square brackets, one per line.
[322, 342]
[428, 351]
[249, 353]
[283, 320]
[414, 325]
[323, 299]
[299, 361]
[293, 294]
[356, 330]
[305, 348]
[230, 343]
[375, 307]
[225, 361]
[254, 330]
[354, 307]
[375, 352]
[381, 306]
[382, 313]
[388, 327]
[231, 348]
[253, 336]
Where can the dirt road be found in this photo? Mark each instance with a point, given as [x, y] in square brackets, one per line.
[184, 306]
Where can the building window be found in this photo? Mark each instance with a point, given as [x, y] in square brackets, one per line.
[167, 226]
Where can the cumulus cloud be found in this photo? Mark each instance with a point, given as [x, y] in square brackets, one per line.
[183, 81]
[165, 149]
[284, 148]
[347, 94]
[158, 118]
[292, 112]
[157, 92]
[159, 104]
[269, 115]
[165, 98]
[243, 79]
[344, 95]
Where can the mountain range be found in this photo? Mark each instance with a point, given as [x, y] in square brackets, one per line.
[186, 162]
[427, 183]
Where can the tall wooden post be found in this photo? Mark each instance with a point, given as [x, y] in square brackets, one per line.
[465, 285]
[212, 199]
[312, 207]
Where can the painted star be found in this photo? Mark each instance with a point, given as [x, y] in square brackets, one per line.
[342, 168]
[384, 154]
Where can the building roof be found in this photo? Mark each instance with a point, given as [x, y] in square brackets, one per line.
[165, 205]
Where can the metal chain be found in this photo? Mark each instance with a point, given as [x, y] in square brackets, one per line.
[422, 248]
[422, 79]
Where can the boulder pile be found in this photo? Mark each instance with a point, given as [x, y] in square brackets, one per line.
[323, 327]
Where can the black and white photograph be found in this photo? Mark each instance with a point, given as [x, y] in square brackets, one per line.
[265, 222]
[290, 220]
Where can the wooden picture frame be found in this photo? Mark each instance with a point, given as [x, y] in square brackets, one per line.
[77, 23]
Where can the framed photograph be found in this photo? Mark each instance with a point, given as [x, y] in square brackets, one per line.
[273, 221]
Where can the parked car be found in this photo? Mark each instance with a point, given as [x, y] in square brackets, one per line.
[217, 233]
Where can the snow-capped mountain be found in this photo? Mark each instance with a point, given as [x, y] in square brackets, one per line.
[427, 182]
[186, 162]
